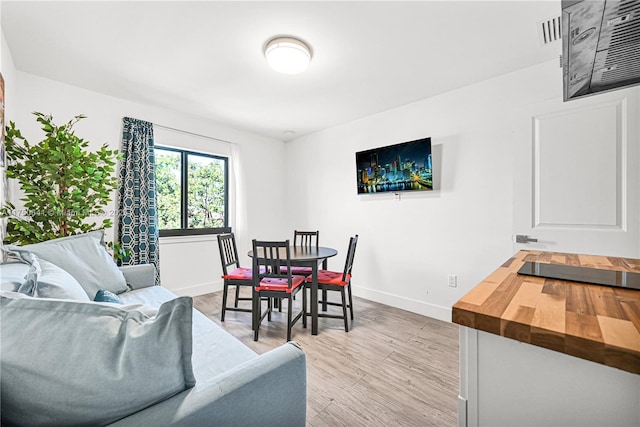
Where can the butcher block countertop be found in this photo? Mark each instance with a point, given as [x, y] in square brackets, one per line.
[593, 322]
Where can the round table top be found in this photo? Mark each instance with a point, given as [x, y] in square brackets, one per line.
[303, 253]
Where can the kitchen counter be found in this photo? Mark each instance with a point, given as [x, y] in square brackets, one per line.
[549, 352]
[593, 322]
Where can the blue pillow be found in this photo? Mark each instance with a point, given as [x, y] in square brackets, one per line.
[107, 296]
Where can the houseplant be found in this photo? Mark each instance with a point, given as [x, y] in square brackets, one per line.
[65, 186]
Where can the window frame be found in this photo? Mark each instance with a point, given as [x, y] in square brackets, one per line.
[184, 195]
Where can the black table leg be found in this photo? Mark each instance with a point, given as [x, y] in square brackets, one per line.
[324, 292]
[314, 299]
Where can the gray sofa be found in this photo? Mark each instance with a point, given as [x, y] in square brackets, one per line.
[234, 386]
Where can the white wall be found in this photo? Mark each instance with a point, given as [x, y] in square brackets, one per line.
[8, 71]
[189, 266]
[10, 93]
[407, 248]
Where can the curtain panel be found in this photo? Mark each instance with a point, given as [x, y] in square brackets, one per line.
[137, 205]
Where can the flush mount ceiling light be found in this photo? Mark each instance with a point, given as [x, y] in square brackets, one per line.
[287, 55]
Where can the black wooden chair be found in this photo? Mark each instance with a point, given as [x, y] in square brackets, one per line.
[304, 239]
[233, 274]
[338, 281]
[273, 279]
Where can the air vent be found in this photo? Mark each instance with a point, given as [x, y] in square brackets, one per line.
[549, 31]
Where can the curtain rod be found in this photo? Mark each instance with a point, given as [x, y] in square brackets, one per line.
[194, 134]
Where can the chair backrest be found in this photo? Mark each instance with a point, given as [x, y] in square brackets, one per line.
[351, 253]
[228, 252]
[306, 238]
[268, 259]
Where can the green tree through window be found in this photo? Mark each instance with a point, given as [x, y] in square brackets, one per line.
[192, 192]
[168, 170]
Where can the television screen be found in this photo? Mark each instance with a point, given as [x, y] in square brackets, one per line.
[399, 167]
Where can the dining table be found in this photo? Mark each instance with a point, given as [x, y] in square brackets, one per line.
[309, 256]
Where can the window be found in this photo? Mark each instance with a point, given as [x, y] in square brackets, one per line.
[192, 192]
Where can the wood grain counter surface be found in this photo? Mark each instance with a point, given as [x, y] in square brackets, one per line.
[597, 323]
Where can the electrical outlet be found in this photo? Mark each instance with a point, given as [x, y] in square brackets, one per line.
[453, 281]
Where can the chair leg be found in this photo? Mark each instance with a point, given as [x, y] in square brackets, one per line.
[277, 303]
[344, 310]
[324, 300]
[289, 313]
[225, 290]
[256, 312]
[304, 307]
[270, 308]
[237, 296]
[350, 301]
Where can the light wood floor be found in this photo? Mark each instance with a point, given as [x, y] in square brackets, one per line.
[393, 368]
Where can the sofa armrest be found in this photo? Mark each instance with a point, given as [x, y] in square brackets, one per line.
[139, 276]
[270, 390]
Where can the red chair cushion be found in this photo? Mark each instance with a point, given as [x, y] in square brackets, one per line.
[330, 278]
[300, 271]
[273, 284]
[239, 274]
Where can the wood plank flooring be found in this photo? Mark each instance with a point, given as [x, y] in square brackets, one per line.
[393, 368]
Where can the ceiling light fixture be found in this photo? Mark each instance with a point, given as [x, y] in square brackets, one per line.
[287, 55]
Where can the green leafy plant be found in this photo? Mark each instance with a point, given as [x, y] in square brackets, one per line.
[117, 251]
[64, 184]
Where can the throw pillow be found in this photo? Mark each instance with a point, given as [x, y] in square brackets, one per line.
[105, 296]
[46, 280]
[83, 256]
[13, 275]
[82, 363]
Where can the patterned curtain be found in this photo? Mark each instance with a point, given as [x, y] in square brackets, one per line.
[137, 214]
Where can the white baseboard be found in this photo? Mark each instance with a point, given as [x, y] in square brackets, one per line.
[195, 290]
[419, 307]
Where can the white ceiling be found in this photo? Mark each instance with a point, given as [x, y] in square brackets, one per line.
[205, 57]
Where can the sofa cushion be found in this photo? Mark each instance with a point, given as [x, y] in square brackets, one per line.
[83, 256]
[47, 280]
[84, 363]
[214, 350]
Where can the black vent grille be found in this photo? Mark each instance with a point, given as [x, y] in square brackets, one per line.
[550, 30]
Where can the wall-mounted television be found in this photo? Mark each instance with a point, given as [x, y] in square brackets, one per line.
[399, 167]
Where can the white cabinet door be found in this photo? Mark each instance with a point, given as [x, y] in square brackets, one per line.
[577, 185]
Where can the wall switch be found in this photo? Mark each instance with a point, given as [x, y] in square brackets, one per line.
[453, 281]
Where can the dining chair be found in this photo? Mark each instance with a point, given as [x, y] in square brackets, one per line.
[305, 239]
[273, 279]
[232, 273]
[338, 281]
